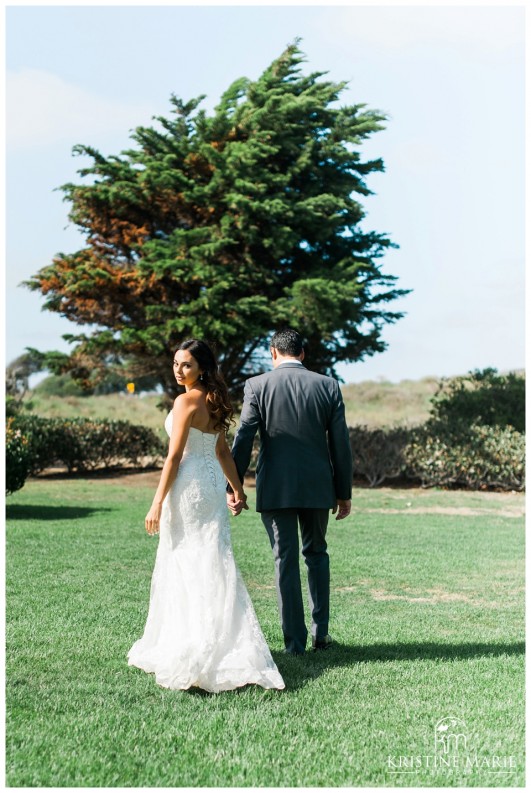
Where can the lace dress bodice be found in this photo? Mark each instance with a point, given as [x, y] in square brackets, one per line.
[199, 457]
[195, 508]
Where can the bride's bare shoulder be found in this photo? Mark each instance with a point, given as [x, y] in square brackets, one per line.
[190, 399]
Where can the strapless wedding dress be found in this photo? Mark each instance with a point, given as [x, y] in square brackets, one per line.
[201, 629]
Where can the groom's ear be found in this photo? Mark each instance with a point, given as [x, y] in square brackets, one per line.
[301, 356]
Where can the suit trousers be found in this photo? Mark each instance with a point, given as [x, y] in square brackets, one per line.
[282, 528]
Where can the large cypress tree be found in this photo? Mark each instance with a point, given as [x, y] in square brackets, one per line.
[227, 227]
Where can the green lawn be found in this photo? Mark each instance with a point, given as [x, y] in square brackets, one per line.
[428, 617]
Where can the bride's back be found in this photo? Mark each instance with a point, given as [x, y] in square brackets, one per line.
[201, 419]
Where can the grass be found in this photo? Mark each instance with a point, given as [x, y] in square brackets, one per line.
[383, 404]
[427, 614]
[376, 404]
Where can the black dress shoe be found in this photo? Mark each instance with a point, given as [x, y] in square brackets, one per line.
[292, 652]
[322, 644]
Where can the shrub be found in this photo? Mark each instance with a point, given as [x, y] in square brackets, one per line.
[84, 444]
[437, 454]
[481, 397]
[17, 458]
[49, 441]
[378, 454]
[13, 406]
[476, 456]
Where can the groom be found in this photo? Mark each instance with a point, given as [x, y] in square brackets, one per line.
[304, 469]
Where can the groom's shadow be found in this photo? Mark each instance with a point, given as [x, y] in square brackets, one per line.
[298, 671]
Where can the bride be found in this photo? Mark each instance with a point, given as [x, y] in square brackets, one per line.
[201, 629]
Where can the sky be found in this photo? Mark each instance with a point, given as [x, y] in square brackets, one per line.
[449, 78]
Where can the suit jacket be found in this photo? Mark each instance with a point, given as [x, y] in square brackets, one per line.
[305, 458]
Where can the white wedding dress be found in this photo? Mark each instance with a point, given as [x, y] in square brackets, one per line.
[201, 629]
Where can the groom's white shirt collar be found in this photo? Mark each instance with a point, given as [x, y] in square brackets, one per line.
[290, 362]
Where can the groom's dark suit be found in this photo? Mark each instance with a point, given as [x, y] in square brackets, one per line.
[304, 466]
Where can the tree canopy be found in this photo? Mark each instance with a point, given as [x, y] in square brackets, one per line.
[227, 227]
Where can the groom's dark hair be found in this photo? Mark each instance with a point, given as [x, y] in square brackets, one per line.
[287, 342]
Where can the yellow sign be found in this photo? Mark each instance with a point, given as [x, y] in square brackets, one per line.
[131, 388]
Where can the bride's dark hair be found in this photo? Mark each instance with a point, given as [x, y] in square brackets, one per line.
[217, 397]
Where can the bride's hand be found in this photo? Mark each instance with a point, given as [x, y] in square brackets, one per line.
[152, 522]
[236, 502]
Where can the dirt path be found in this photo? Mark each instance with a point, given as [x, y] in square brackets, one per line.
[512, 511]
[121, 477]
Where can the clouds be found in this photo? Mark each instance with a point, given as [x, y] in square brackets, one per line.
[44, 108]
[494, 29]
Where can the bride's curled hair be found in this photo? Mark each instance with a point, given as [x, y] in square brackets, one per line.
[217, 396]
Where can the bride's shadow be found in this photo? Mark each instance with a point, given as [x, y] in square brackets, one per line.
[298, 671]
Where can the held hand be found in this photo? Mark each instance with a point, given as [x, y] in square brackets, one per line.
[152, 522]
[236, 502]
[342, 507]
[233, 503]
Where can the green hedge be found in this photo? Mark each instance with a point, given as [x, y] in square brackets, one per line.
[475, 456]
[471, 456]
[18, 457]
[85, 444]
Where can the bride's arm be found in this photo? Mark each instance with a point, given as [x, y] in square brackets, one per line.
[228, 467]
[184, 408]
